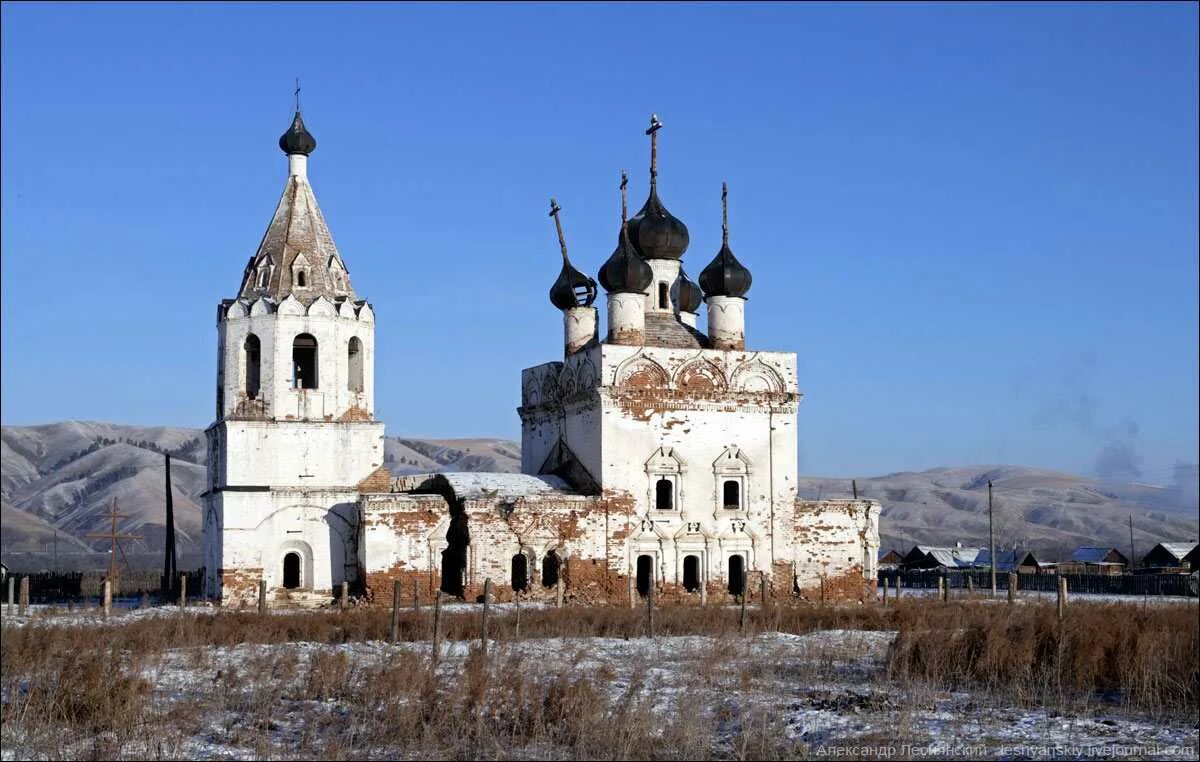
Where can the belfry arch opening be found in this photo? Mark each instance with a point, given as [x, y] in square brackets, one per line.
[304, 362]
[354, 365]
[253, 355]
[292, 569]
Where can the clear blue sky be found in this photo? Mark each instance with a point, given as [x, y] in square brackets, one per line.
[976, 224]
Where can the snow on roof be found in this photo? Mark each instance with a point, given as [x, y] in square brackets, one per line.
[950, 557]
[1178, 549]
[474, 485]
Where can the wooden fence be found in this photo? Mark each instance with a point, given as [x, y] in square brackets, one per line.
[1097, 584]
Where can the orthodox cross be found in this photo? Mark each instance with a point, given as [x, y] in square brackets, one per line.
[652, 131]
[624, 197]
[297, 93]
[115, 539]
[562, 241]
[724, 214]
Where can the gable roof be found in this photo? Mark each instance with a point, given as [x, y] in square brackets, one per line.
[1088, 554]
[948, 557]
[1177, 550]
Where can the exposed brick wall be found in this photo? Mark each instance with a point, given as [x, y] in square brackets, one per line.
[380, 480]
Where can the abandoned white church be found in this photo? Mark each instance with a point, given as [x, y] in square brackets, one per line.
[652, 454]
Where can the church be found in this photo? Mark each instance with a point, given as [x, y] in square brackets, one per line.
[653, 455]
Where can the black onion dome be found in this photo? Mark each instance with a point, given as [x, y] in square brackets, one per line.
[690, 296]
[656, 233]
[297, 139]
[725, 275]
[572, 288]
[625, 272]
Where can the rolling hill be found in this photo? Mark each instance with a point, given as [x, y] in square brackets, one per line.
[57, 479]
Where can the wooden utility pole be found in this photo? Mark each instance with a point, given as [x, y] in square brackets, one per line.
[394, 633]
[1132, 555]
[437, 624]
[115, 542]
[854, 487]
[991, 540]
[169, 560]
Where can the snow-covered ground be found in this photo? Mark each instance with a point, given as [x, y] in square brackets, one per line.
[824, 694]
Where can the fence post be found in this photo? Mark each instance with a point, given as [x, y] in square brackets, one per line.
[899, 586]
[650, 611]
[23, 603]
[344, 595]
[394, 633]
[1062, 597]
[558, 592]
[487, 593]
[106, 599]
[262, 596]
[1012, 587]
[632, 592]
[822, 589]
[762, 590]
[182, 591]
[416, 595]
[437, 622]
[970, 586]
[704, 587]
[885, 592]
[517, 608]
[12, 583]
[742, 615]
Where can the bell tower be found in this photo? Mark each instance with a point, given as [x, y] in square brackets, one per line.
[295, 428]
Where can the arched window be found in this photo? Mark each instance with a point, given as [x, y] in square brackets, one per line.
[253, 359]
[354, 356]
[664, 296]
[304, 362]
[520, 572]
[550, 569]
[645, 574]
[301, 279]
[691, 573]
[737, 575]
[664, 494]
[733, 494]
[264, 277]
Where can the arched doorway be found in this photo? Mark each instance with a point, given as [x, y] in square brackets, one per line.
[520, 572]
[550, 569]
[691, 573]
[737, 575]
[645, 574]
[291, 570]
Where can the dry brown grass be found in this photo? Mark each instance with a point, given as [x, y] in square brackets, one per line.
[62, 684]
